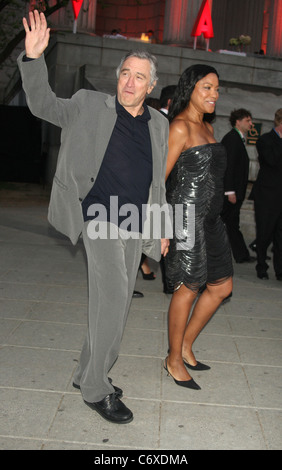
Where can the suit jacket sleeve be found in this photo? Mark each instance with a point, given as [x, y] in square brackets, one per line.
[268, 152]
[41, 100]
[237, 172]
[269, 177]
[165, 152]
[229, 142]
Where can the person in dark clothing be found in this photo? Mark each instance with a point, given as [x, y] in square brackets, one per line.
[112, 160]
[166, 98]
[268, 199]
[162, 105]
[235, 181]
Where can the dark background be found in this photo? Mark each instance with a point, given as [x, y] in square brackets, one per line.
[21, 157]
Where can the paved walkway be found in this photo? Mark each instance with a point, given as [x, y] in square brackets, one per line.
[43, 290]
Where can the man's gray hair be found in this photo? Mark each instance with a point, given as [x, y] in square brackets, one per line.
[141, 55]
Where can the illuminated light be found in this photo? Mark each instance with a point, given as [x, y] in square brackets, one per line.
[203, 24]
[145, 38]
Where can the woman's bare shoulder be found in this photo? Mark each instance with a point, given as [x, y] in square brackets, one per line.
[179, 126]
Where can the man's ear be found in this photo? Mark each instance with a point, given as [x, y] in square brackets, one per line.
[151, 87]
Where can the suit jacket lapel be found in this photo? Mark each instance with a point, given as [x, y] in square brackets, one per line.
[155, 131]
[106, 124]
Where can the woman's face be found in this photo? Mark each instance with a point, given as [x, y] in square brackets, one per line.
[205, 94]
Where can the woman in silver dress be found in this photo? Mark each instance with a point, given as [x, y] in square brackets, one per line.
[200, 271]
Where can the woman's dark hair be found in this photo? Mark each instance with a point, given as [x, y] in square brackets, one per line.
[185, 88]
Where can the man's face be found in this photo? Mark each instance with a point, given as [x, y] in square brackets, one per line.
[244, 125]
[134, 84]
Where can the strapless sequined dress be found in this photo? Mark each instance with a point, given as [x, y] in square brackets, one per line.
[199, 252]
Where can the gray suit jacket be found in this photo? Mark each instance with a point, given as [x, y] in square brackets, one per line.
[87, 120]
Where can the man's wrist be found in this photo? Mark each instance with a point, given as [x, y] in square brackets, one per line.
[27, 59]
[31, 56]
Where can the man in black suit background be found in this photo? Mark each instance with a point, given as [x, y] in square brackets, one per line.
[166, 98]
[236, 180]
[268, 199]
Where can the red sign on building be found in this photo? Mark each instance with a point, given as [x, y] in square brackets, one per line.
[76, 5]
[203, 24]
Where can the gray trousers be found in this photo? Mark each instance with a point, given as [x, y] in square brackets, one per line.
[112, 270]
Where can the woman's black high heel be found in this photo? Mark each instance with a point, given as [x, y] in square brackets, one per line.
[147, 277]
[183, 383]
[198, 366]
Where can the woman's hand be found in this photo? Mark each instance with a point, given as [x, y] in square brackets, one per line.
[37, 36]
[164, 246]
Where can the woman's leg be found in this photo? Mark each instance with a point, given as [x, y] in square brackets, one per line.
[179, 310]
[205, 307]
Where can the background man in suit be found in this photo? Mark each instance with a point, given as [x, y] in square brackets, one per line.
[268, 199]
[235, 181]
[166, 96]
[110, 146]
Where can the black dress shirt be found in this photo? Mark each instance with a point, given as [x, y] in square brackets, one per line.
[126, 172]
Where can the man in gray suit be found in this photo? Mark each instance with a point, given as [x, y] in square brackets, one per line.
[112, 158]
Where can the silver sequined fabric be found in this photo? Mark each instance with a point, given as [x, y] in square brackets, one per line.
[199, 252]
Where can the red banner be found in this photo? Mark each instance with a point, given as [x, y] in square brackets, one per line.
[203, 23]
[76, 5]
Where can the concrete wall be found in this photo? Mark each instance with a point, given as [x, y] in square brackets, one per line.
[76, 61]
[233, 18]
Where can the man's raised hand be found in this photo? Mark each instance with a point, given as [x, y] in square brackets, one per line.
[37, 36]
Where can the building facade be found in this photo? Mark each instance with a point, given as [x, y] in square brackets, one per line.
[172, 21]
[88, 59]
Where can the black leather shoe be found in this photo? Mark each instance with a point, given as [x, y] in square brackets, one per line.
[263, 276]
[253, 246]
[147, 277]
[112, 409]
[137, 294]
[118, 391]
[279, 277]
